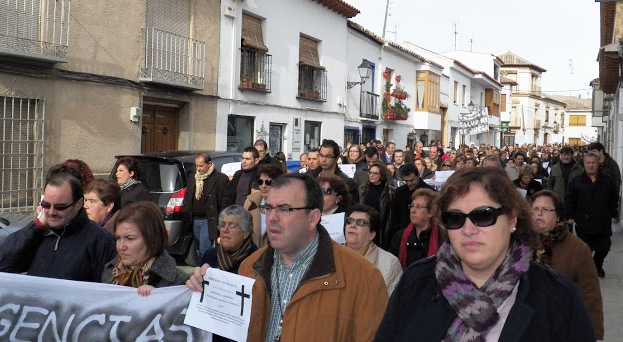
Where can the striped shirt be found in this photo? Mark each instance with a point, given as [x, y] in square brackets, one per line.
[284, 281]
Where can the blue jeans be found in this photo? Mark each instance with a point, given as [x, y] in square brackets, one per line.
[202, 236]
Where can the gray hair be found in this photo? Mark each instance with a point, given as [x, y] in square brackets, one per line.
[243, 216]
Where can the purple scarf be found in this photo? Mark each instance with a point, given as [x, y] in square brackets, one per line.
[477, 307]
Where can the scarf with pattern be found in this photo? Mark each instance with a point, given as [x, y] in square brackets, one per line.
[199, 181]
[131, 276]
[227, 260]
[543, 253]
[477, 307]
[125, 186]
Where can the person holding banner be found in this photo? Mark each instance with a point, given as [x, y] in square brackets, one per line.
[142, 261]
[307, 286]
[62, 242]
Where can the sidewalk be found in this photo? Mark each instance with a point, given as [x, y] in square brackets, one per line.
[612, 290]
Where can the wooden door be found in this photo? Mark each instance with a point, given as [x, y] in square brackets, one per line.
[160, 129]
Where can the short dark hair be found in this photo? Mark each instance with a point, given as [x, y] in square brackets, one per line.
[328, 143]
[567, 150]
[389, 143]
[148, 218]
[313, 195]
[252, 150]
[596, 146]
[271, 170]
[373, 214]
[132, 165]
[409, 169]
[261, 142]
[59, 174]
[371, 152]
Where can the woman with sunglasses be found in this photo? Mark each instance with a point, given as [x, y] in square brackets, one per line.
[447, 165]
[482, 285]
[422, 237]
[265, 176]
[335, 194]
[377, 193]
[362, 224]
[566, 253]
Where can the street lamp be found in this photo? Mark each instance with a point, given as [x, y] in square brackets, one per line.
[364, 73]
[471, 106]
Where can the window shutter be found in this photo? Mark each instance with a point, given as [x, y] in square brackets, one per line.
[252, 36]
[169, 15]
[308, 52]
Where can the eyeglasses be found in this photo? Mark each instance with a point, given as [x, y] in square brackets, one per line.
[544, 210]
[417, 206]
[446, 165]
[328, 191]
[374, 173]
[480, 217]
[329, 156]
[229, 226]
[57, 207]
[262, 181]
[281, 210]
[358, 222]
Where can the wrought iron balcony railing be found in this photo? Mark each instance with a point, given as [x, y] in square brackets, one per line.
[173, 59]
[369, 107]
[34, 29]
[312, 83]
[255, 70]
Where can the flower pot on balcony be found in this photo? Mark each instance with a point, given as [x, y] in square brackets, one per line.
[244, 83]
[259, 86]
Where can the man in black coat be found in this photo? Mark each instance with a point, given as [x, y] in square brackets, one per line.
[262, 149]
[402, 198]
[207, 194]
[244, 178]
[591, 203]
[329, 152]
[62, 242]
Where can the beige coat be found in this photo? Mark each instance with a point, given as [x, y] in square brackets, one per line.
[252, 204]
[387, 263]
[342, 297]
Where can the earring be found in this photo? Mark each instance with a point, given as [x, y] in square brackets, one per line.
[513, 229]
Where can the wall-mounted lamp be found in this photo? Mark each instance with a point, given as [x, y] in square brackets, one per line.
[364, 73]
[471, 106]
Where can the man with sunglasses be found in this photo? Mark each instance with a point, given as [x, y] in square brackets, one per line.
[62, 242]
[306, 283]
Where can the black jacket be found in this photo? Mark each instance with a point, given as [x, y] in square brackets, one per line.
[136, 193]
[218, 199]
[548, 307]
[400, 207]
[234, 182]
[210, 257]
[77, 252]
[592, 205]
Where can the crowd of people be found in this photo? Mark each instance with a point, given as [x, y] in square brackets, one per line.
[509, 246]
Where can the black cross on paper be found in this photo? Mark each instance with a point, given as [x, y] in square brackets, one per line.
[203, 284]
[242, 297]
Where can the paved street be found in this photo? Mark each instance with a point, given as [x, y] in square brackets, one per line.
[612, 290]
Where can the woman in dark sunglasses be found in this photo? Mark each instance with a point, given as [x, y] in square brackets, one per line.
[334, 193]
[265, 176]
[482, 285]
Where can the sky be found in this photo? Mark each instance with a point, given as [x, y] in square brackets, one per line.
[548, 33]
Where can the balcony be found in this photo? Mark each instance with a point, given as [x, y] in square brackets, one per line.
[255, 70]
[35, 30]
[312, 83]
[369, 106]
[173, 60]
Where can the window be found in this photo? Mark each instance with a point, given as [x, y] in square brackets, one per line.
[464, 102]
[21, 138]
[492, 100]
[312, 135]
[456, 91]
[239, 132]
[503, 103]
[576, 142]
[255, 63]
[427, 92]
[312, 76]
[577, 120]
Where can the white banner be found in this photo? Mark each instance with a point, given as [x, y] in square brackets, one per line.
[46, 309]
